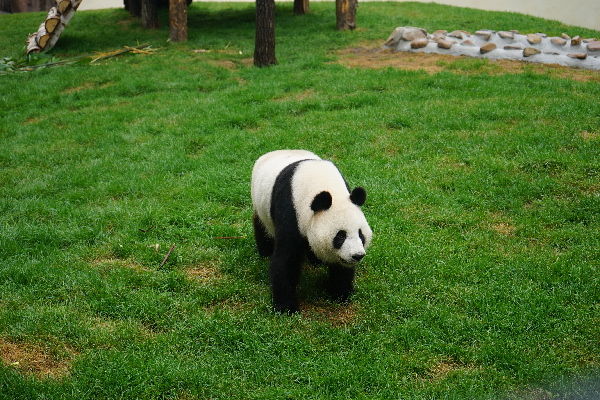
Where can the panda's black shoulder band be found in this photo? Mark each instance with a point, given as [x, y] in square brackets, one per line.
[321, 202]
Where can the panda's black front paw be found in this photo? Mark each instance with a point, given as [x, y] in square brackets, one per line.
[286, 308]
[340, 297]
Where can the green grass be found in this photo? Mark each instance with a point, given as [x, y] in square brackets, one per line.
[482, 281]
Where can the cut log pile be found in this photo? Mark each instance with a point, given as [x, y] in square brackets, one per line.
[49, 31]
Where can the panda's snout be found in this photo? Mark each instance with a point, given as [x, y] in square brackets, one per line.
[358, 256]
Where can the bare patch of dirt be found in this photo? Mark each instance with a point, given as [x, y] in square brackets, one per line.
[110, 262]
[370, 57]
[31, 359]
[504, 228]
[338, 315]
[230, 305]
[587, 136]
[443, 368]
[33, 121]
[306, 94]
[204, 273]
[85, 86]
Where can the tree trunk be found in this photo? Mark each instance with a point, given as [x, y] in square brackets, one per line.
[301, 7]
[5, 6]
[345, 13]
[150, 14]
[22, 6]
[178, 29]
[264, 46]
[134, 7]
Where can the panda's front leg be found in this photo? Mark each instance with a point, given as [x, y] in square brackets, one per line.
[340, 284]
[284, 271]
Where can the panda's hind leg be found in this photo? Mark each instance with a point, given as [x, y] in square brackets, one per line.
[340, 284]
[264, 243]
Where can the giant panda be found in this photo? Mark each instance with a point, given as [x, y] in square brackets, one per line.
[303, 206]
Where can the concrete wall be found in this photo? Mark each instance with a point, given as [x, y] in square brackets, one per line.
[585, 13]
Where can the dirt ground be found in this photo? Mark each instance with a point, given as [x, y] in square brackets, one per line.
[370, 56]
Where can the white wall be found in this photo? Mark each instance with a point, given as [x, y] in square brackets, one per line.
[584, 13]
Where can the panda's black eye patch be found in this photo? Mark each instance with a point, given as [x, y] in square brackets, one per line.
[339, 240]
[361, 236]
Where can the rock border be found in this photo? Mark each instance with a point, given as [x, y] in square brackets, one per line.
[506, 45]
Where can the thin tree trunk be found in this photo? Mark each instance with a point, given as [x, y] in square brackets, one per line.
[345, 13]
[5, 6]
[150, 14]
[264, 46]
[135, 7]
[301, 7]
[178, 28]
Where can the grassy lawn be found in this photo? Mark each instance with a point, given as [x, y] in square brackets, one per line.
[483, 278]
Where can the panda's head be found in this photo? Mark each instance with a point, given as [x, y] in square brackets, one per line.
[339, 232]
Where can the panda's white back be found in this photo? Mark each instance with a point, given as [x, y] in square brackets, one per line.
[265, 172]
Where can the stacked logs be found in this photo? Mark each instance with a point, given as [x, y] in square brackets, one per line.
[49, 31]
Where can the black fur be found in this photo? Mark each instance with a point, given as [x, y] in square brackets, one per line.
[358, 196]
[361, 236]
[339, 239]
[264, 243]
[321, 202]
[290, 247]
[340, 284]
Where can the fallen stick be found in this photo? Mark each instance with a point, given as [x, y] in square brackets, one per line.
[162, 264]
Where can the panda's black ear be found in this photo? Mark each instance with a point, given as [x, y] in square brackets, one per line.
[358, 196]
[321, 202]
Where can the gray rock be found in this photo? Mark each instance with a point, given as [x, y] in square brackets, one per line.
[459, 34]
[534, 38]
[484, 34]
[394, 37]
[530, 51]
[576, 41]
[513, 48]
[409, 34]
[558, 41]
[467, 43]
[580, 56]
[594, 46]
[486, 48]
[506, 35]
[419, 43]
[445, 44]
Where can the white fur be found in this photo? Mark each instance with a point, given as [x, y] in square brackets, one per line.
[264, 173]
[311, 178]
